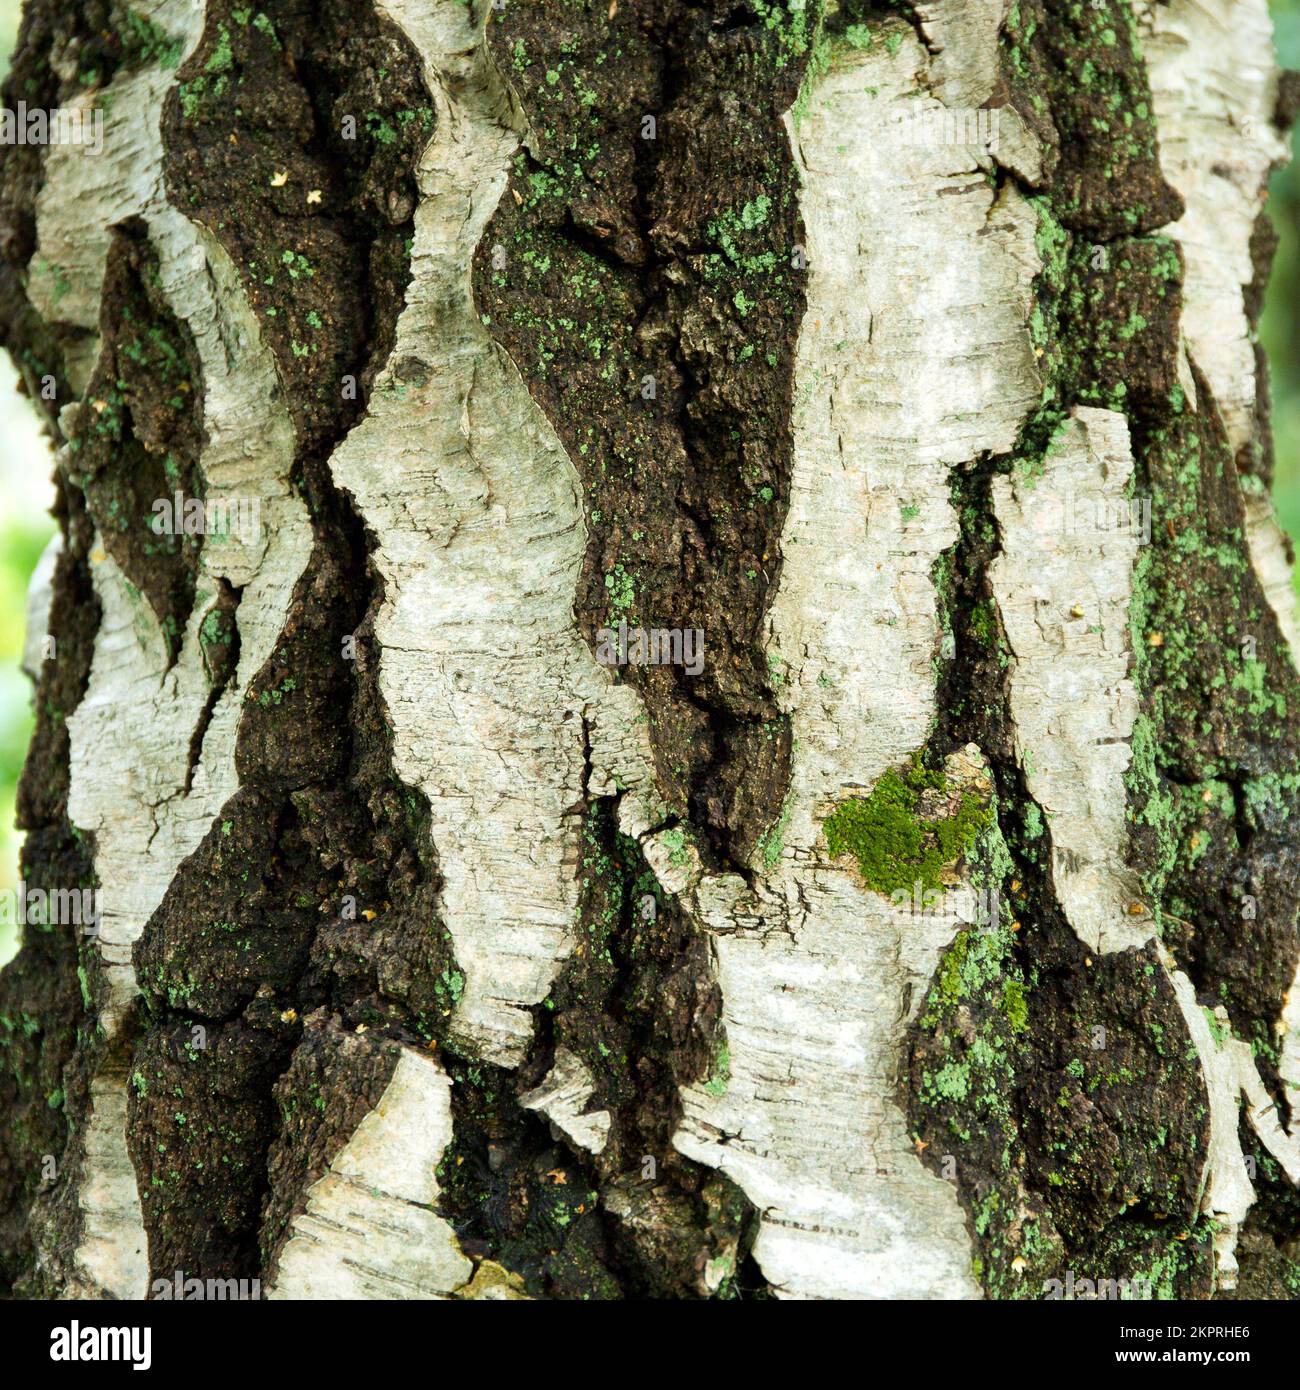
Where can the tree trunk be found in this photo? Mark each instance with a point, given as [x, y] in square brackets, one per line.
[668, 653]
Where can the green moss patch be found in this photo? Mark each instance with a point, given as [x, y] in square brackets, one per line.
[895, 843]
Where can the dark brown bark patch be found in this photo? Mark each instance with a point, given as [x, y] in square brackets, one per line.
[1087, 62]
[1115, 1105]
[48, 1043]
[200, 1122]
[292, 134]
[252, 929]
[139, 436]
[1268, 1250]
[645, 270]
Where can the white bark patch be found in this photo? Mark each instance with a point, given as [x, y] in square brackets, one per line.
[1214, 84]
[491, 691]
[369, 1230]
[914, 358]
[1271, 561]
[820, 979]
[40, 595]
[1063, 583]
[1231, 1076]
[1290, 1064]
[131, 735]
[966, 72]
[563, 1098]
[113, 1256]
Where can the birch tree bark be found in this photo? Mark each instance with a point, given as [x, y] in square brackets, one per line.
[668, 653]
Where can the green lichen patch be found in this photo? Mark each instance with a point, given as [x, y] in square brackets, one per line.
[200, 1119]
[1115, 342]
[146, 43]
[1151, 1259]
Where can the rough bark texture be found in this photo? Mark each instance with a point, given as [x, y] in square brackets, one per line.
[937, 934]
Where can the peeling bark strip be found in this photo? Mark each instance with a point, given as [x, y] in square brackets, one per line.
[1063, 585]
[930, 938]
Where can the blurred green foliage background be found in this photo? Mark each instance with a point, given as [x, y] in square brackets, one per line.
[25, 459]
[25, 494]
